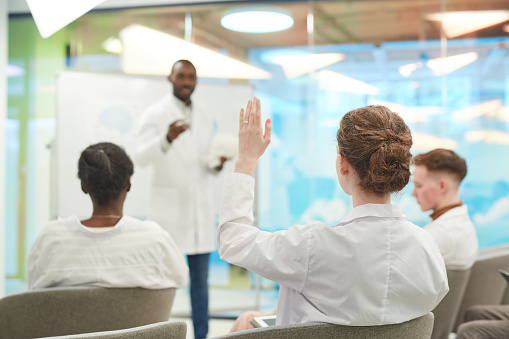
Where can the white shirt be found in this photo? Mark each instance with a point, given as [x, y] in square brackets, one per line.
[181, 193]
[456, 238]
[133, 253]
[373, 268]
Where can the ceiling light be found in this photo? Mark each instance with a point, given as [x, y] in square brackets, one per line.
[442, 66]
[330, 80]
[488, 137]
[410, 114]
[427, 142]
[112, 45]
[406, 70]
[52, 15]
[299, 64]
[148, 51]
[491, 108]
[460, 23]
[257, 20]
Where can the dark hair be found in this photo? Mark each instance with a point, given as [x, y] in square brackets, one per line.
[104, 170]
[376, 142]
[443, 160]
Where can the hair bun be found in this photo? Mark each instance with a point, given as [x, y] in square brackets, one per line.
[377, 142]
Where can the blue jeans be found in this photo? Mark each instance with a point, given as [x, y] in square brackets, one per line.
[199, 272]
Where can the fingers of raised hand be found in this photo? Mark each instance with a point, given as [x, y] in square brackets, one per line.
[248, 111]
[257, 112]
[241, 119]
[268, 131]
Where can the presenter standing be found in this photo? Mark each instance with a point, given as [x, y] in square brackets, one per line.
[174, 138]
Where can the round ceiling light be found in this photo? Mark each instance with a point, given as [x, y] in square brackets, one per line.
[257, 20]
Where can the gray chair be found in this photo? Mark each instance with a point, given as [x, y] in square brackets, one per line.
[73, 310]
[485, 287]
[419, 328]
[446, 312]
[505, 298]
[164, 330]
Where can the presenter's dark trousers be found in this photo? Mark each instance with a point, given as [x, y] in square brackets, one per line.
[199, 290]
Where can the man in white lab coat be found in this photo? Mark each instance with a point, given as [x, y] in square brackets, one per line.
[437, 177]
[174, 138]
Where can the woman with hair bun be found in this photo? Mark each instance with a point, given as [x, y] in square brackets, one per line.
[109, 249]
[373, 268]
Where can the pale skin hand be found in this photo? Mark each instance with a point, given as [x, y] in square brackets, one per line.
[252, 141]
[175, 129]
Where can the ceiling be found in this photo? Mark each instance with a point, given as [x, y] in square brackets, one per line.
[355, 28]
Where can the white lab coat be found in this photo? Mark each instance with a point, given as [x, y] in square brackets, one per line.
[133, 253]
[456, 238]
[181, 195]
[373, 268]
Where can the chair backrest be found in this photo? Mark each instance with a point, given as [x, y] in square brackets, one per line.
[446, 312]
[505, 298]
[164, 330]
[485, 286]
[419, 328]
[73, 310]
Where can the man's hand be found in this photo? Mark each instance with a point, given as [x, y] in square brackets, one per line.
[175, 129]
[220, 166]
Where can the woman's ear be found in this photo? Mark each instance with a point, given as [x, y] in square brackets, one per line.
[84, 189]
[128, 184]
[344, 165]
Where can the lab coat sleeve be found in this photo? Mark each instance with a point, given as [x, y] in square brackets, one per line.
[442, 238]
[175, 266]
[33, 268]
[282, 256]
[151, 140]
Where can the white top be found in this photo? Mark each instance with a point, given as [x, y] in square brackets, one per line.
[133, 253]
[373, 268]
[456, 238]
[181, 194]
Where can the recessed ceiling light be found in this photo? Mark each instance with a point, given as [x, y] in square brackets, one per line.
[257, 20]
[459, 23]
[442, 66]
[52, 15]
[329, 80]
[295, 65]
[149, 51]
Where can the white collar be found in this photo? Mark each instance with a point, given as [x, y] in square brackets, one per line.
[182, 105]
[373, 210]
[75, 224]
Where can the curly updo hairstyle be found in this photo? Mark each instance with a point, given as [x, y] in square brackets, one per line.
[104, 170]
[376, 142]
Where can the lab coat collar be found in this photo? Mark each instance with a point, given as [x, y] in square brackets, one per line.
[373, 210]
[74, 223]
[181, 105]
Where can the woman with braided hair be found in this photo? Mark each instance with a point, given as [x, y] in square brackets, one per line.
[374, 267]
[109, 249]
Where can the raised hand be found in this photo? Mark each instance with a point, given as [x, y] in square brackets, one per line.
[252, 141]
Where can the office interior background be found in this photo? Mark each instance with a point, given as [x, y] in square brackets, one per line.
[442, 64]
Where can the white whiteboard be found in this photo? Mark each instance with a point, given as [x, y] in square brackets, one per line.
[94, 108]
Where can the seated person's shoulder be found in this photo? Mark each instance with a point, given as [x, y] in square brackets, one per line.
[56, 226]
[143, 225]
